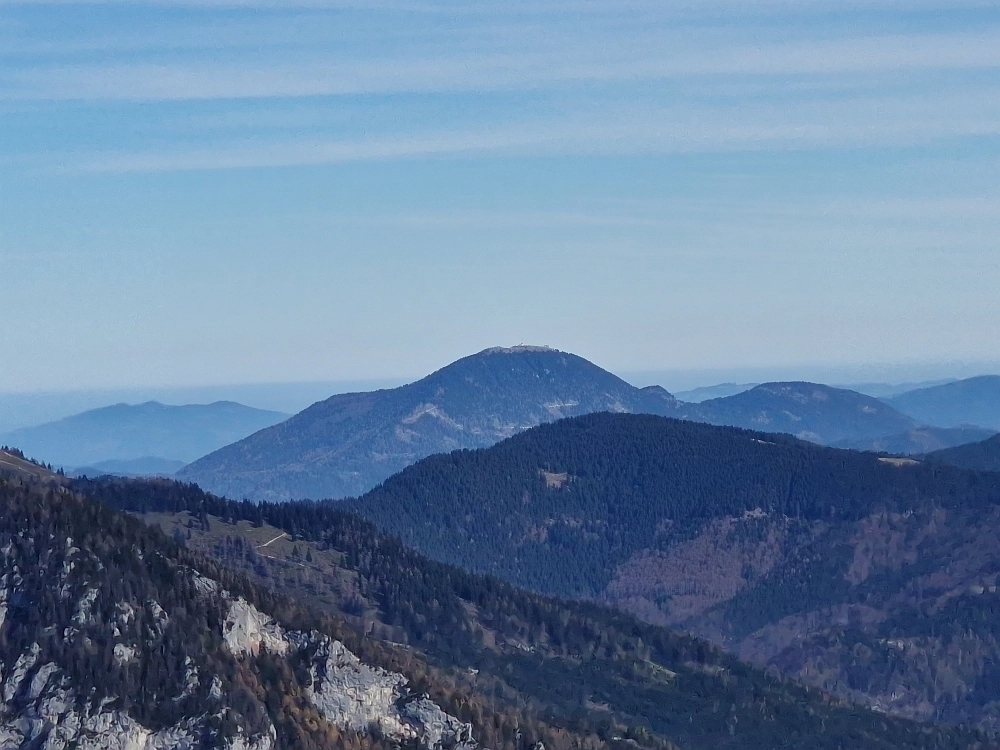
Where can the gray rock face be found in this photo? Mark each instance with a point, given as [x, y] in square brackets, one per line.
[347, 692]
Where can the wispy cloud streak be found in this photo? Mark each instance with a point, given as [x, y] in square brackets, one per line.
[671, 58]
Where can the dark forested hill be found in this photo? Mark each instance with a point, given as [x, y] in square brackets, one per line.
[123, 432]
[348, 443]
[982, 456]
[569, 675]
[557, 508]
[973, 401]
[872, 577]
[809, 411]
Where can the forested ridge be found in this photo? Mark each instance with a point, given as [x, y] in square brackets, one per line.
[584, 668]
[557, 508]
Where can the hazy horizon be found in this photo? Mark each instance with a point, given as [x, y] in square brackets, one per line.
[29, 408]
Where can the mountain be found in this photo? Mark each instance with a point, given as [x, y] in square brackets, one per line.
[982, 456]
[125, 432]
[814, 412]
[349, 443]
[873, 578]
[920, 440]
[147, 466]
[974, 401]
[519, 668]
[704, 393]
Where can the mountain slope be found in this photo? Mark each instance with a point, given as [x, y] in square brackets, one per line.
[973, 401]
[113, 636]
[809, 411]
[982, 456]
[125, 432]
[599, 678]
[870, 577]
[348, 443]
[920, 440]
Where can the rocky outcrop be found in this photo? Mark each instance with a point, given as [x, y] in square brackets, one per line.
[347, 692]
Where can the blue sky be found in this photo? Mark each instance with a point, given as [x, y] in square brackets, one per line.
[236, 192]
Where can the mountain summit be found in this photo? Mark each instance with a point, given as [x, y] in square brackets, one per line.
[349, 443]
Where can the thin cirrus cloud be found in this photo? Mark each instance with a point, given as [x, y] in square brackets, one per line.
[855, 122]
[515, 70]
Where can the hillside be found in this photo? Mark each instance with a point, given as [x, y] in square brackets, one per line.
[810, 411]
[349, 443]
[872, 578]
[981, 456]
[973, 401]
[125, 432]
[571, 675]
[920, 440]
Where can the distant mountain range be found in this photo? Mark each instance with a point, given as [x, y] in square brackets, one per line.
[888, 390]
[704, 393]
[125, 432]
[351, 442]
[147, 466]
[347, 444]
[974, 401]
[867, 576]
